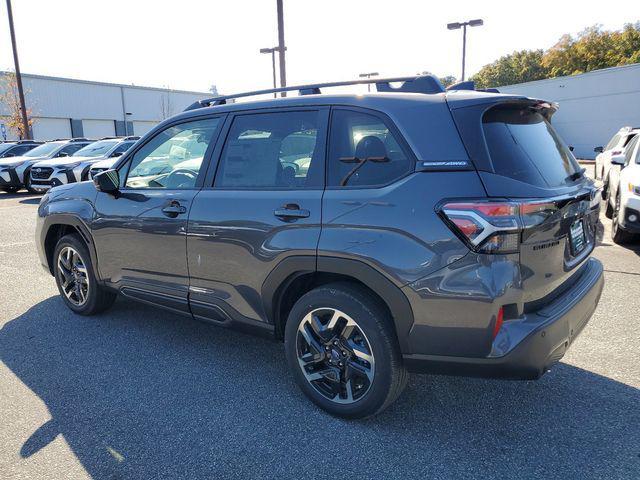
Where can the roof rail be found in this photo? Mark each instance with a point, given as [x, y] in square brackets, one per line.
[415, 84]
[132, 137]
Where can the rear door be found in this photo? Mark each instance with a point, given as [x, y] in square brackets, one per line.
[263, 207]
[140, 233]
[523, 157]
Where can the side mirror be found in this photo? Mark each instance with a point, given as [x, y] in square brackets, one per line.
[9, 154]
[116, 154]
[107, 181]
[618, 160]
[63, 154]
[598, 149]
[571, 148]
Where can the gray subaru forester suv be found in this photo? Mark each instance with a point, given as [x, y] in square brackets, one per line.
[411, 229]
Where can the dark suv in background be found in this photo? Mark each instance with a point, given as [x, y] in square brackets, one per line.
[415, 229]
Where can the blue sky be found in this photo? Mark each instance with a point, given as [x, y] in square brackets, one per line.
[192, 44]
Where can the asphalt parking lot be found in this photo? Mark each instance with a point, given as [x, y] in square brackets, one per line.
[141, 393]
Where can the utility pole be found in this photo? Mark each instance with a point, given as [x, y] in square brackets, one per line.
[458, 25]
[281, 46]
[23, 108]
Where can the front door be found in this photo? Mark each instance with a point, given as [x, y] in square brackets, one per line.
[264, 206]
[140, 233]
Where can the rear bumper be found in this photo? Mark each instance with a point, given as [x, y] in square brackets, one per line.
[527, 347]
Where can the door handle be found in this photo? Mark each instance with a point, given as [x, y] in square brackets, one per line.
[291, 211]
[174, 209]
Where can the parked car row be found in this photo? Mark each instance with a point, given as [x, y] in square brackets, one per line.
[618, 166]
[39, 166]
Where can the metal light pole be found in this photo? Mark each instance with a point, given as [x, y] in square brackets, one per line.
[464, 25]
[281, 46]
[272, 51]
[23, 108]
[368, 75]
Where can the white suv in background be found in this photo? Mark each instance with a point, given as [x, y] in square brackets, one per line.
[623, 194]
[60, 171]
[14, 171]
[615, 147]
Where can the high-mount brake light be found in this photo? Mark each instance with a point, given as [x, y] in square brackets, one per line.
[494, 227]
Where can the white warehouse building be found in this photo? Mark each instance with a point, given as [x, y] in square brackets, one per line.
[593, 105]
[65, 108]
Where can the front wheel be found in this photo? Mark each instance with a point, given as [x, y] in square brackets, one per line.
[27, 184]
[343, 352]
[75, 279]
[10, 189]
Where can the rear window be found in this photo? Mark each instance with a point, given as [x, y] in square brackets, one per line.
[524, 146]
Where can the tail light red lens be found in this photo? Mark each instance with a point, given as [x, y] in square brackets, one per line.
[494, 227]
[499, 320]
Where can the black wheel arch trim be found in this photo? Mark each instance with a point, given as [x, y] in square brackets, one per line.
[81, 227]
[292, 267]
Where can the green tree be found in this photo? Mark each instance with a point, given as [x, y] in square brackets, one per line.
[591, 49]
[517, 67]
[448, 80]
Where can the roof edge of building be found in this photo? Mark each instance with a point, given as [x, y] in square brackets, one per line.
[108, 84]
[592, 72]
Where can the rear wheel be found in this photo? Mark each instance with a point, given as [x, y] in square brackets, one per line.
[618, 234]
[74, 276]
[343, 352]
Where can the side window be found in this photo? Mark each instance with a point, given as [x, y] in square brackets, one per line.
[123, 147]
[628, 153]
[172, 158]
[272, 150]
[71, 148]
[628, 139]
[21, 150]
[363, 152]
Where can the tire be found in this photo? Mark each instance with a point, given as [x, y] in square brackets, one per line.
[606, 193]
[27, 183]
[618, 235]
[10, 189]
[66, 266]
[372, 341]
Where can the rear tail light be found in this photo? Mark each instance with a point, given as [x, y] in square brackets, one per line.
[499, 320]
[494, 227]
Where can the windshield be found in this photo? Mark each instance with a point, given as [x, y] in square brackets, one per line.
[96, 149]
[5, 146]
[524, 146]
[43, 150]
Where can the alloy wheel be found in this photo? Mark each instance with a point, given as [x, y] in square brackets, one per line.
[72, 275]
[334, 355]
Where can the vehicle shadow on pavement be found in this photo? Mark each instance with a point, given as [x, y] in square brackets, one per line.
[140, 393]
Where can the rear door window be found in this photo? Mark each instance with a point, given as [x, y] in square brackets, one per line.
[524, 146]
[363, 152]
[272, 150]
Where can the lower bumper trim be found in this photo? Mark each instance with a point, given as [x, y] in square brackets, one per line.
[536, 353]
